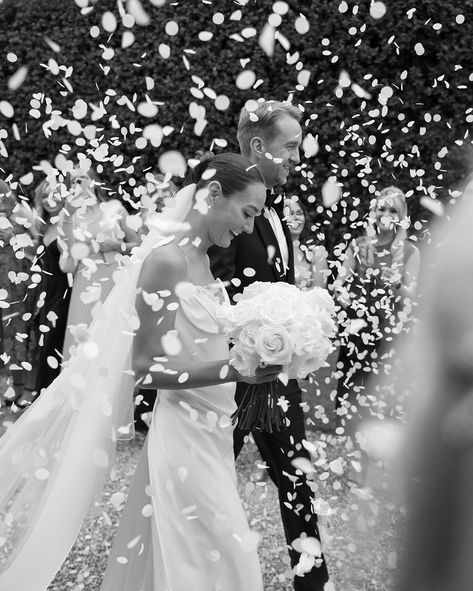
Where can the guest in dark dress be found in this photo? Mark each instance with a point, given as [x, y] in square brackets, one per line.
[55, 291]
[17, 302]
[376, 287]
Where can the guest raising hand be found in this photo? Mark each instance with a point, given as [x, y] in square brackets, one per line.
[376, 285]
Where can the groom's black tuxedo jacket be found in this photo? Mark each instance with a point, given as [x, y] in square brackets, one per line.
[251, 251]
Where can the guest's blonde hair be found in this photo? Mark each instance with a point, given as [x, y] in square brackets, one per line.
[397, 197]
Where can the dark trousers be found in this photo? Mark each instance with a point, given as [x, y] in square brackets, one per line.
[146, 404]
[277, 450]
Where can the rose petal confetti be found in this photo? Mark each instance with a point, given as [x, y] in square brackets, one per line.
[171, 343]
[6, 109]
[302, 25]
[377, 9]
[15, 81]
[135, 8]
[171, 28]
[172, 163]
[245, 79]
[109, 22]
[331, 192]
[266, 39]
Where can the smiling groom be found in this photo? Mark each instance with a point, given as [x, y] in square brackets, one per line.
[270, 137]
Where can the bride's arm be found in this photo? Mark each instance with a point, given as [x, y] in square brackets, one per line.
[162, 271]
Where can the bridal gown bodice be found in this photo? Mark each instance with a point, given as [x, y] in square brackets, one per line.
[197, 332]
[183, 526]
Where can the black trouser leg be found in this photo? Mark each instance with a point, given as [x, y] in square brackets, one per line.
[277, 451]
[145, 405]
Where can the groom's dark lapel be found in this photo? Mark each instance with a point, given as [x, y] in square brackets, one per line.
[268, 237]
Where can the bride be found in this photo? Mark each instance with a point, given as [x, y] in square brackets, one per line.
[183, 526]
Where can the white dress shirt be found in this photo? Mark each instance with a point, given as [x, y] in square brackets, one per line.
[276, 225]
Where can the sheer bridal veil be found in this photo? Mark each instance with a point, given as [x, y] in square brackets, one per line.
[55, 458]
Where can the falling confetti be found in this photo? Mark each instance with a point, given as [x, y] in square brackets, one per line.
[331, 192]
[173, 163]
[245, 79]
[266, 40]
[377, 9]
[302, 25]
[15, 81]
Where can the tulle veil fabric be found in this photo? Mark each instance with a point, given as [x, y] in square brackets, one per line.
[55, 458]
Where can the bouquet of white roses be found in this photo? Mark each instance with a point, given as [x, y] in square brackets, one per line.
[276, 323]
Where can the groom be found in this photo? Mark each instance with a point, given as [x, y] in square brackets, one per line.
[270, 137]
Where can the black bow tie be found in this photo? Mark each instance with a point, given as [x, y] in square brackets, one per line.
[273, 199]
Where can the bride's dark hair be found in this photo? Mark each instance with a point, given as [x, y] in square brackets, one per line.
[233, 171]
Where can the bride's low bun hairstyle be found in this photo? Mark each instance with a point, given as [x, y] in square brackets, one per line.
[233, 171]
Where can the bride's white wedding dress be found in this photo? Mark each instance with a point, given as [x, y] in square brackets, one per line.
[183, 526]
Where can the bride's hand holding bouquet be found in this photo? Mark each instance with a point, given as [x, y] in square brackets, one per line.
[276, 324]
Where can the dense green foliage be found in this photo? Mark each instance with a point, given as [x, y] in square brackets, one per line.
[367, 137]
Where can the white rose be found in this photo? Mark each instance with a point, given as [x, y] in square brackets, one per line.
[320, 298]
[254, 290]
[306, 336]
[242, 313]
[273, 345]
[327, 323]
[244, 360]
[277, 311]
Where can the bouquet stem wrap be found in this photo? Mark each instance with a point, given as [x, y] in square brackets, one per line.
[260, 409]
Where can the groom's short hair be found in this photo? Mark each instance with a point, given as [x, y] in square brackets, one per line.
[260, 122]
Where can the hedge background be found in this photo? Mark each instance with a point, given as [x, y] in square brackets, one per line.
[408, 134]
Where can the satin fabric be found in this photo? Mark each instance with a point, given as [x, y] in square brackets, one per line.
[183, 525]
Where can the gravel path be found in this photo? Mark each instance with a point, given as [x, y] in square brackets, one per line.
[360, 553]
[361, 531]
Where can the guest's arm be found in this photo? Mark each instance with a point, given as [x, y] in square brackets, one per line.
[345, 274]
[320, 270]
[126, 239]
[65, 239]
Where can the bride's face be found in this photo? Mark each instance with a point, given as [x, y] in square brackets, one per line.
[230, 216]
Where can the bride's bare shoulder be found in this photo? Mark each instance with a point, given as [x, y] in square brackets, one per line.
[163, 267]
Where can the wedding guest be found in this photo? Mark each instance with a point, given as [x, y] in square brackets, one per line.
[437, 453]
[376, 286]
[270, 137]
[94, 236]
[16, 248]
[55, 291]
[310, 260]
[183, 526]
[159, 189]
[310, 270]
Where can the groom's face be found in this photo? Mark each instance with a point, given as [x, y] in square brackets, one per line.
[281, 151]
